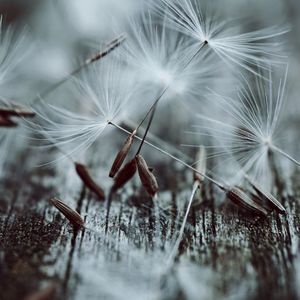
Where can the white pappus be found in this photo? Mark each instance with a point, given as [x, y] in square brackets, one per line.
[103, 96]
[247, 129]
[247, 50]
[161, 58]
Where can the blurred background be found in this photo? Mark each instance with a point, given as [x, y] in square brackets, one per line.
[62, 32]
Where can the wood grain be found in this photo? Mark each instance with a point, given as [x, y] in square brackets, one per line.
[226, 252]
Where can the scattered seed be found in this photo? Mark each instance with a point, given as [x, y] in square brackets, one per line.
[255, 198]
[239, 197]
[87, 179]
[201, 165]
[7, 122]
[72, 215]
[124, 175]
[110, 47]
[121, 155]
[147, 178]
[267, 197]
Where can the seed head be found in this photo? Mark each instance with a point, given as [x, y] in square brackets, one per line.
[239, 197]
[147, 177]
[124, 175]
[121, 155]
[72, 215]
[102, 96]
[265, 196]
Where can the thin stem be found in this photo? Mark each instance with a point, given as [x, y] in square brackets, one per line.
[147, 129]
[177, 243]
[278, 150]
[220, 185]
[195, 55]
[56, 85]
[152, 107]
[158, 140]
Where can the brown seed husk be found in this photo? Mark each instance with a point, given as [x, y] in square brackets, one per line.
[72, 215]
[109, 48]
[274, 203]
[7, 122]
[147, 178]
[16, 111]
[87, 179]
[45, 294]
[117, 164]
[239, 197]
[124, 175]
[201, 165]
[255, 198]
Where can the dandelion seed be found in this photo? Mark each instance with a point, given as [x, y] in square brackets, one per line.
[160, 59]
[239, 197]
[104, 95]
[147, 178]
[151, 52]
[153, 61]
[72, 215]
[108, 49]
[257, 199]
[122, 155]
[272, 201]
[87, 179]
[124, 175]
[246, 130]
[246, 50]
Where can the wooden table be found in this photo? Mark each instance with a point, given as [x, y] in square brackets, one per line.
[226, 252]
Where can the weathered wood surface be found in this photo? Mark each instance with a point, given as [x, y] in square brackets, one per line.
[226, 253]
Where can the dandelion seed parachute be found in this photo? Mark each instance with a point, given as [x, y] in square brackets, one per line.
[103, 95]
[245, 130]
[247, 50]
[158, 56]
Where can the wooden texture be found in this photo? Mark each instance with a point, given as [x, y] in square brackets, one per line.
[226, 253]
